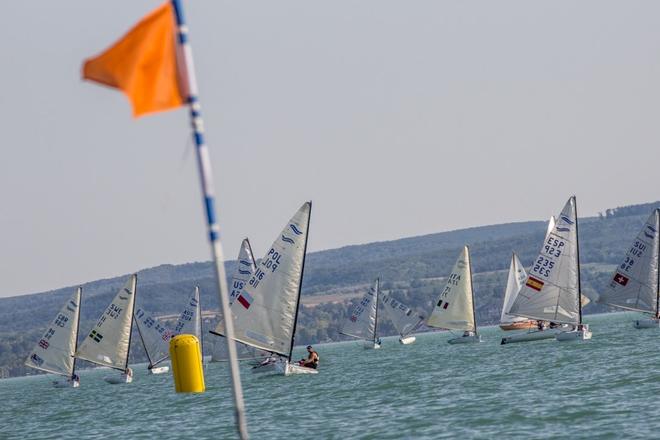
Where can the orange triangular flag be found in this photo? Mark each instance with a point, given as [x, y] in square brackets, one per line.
[142, 64]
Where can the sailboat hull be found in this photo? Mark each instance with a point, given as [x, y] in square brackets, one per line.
[646, 323]
[531, 336]
[519, 325]
[574, 335]
[66, 383]
[465, 339]
[117, 380]
[159, 370]
[371, 345]
[407, 340]
[282, 368]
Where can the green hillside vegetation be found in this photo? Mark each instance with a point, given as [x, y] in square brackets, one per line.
[412, 269]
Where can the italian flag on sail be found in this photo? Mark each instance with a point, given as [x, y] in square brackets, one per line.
[245, 299]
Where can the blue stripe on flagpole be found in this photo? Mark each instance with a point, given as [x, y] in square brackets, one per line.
[178, 11]
[210, 209]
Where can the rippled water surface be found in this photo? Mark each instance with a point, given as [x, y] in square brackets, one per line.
[605, 388]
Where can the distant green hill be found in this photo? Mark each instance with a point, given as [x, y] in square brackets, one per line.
[412, 268]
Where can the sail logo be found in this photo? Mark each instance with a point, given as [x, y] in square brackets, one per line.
[287, 239]
[620, 279]
[96, 336]
[295, 229]
[535, 284]
[36, 359]
[245, 299]
[650, 232]
[566, 220]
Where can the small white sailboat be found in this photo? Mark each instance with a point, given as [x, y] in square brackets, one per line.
[552, 290]
[54, 351]
[362, 322]
[454, 309]
[245, 267]
[109, 342]
[634, 284]
[404, 319]
[155, 338]
[265, 313]
[517, 276]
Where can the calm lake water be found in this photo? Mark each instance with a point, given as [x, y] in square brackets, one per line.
[605, 388]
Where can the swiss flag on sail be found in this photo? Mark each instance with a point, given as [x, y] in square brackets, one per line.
[620, 279]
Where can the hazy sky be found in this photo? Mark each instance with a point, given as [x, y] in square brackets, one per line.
[396, 118]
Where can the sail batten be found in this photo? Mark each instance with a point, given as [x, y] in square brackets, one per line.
[54, 351]
[265, 311]
[551, 291]
[454, 308]
[108, 343]
[634, 284]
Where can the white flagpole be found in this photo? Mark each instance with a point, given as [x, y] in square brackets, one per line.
[206, 179]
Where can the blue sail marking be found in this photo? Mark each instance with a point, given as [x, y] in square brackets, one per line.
[287, 239]
[295, 230]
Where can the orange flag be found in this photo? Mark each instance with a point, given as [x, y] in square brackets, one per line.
[143, 64]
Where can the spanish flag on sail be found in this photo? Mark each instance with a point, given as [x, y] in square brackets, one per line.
[143, 64]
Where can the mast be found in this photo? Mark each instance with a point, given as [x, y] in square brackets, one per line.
[130, 333]
[302, 273]
[201, 322]
[657, 264]
[577, 246]
[376, 317]
[75, 347]
[474, 313]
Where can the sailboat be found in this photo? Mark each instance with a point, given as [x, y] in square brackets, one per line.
[454, 309]
[155, 339]
[517, 276]
[109, 342]
[190, 320]
[265, 313]
[54, 351]
[634, 284]
[362, 323]
[245, 267]
[403, 318]
[552, 288]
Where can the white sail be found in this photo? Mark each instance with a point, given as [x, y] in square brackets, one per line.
[245, 267]
[551, 226]
[190, 321]
[54, 351]
[551, 288]
[265, 312]
[517, 276]
[404, 319]
[109, 341]
[245, 352]
[361, 322]
[455, 306]
[634, 284]
[155, 336]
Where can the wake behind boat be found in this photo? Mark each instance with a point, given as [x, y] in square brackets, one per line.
[454, 309]
[108, 343]
[265, 313]
[54, 351]
[635, 285]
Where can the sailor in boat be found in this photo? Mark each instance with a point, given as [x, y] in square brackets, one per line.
[467, 334]
[129, 372]
[312, 360]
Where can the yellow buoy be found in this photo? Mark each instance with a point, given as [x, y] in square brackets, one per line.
[187, 364]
